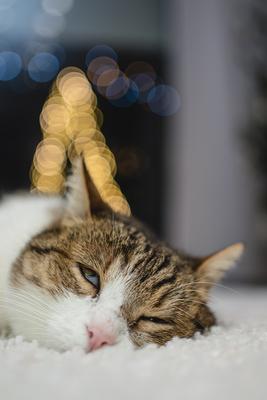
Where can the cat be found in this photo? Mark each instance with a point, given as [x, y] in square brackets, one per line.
[75, 274]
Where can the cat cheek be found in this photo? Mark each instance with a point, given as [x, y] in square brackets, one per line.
[67, 325]
[84, 322]
[137, 338]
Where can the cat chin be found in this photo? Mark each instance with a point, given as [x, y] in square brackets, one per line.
[62, 322]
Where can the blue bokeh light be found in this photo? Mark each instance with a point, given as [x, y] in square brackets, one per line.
[100, 51]
[127, 97]
[43, 67]
[144, 83]
[118, 88]
[10, 65]
[164, 100]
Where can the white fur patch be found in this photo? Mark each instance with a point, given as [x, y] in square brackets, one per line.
[21, 217]
[61, 322]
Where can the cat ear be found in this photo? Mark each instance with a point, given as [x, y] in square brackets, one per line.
[212, 268]
[83, 198]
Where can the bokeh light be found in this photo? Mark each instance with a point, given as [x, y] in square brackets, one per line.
[49, 26]
[43, 67]
[39, 46]
[144, 76]
[75, 88]
[139, 83]
[130, 161]
[118, 88]
[54, 117]
[144, 83]
[140, 67]
[7, 19]
[49, 157]
[99, 117]
[70, 122]
[102, 71]
[49, 183]
[100, 51]
[122, 92]
[10, 65]
[57, 7]
[102, 68]
[164, 100]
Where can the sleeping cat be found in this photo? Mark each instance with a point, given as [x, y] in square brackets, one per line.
[74, 273]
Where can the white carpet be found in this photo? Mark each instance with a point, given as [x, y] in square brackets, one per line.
[230, 363]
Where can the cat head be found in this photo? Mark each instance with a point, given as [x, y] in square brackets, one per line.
[95, 276]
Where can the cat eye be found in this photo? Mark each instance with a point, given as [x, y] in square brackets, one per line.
[154, 320]
[91, 276]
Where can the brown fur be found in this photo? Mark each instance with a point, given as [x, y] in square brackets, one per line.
[167, 296]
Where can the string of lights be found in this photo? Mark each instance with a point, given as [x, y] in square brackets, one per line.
[71, 125]
[139, 82]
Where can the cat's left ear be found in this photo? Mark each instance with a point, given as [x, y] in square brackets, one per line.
[212, 268]
[83, 198]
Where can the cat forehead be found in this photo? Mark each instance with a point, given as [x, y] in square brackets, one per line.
[105, 236]
[112, 244]
[116, 249]
[98, 225]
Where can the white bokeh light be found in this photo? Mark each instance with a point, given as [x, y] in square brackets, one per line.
[49, 26]
[7, 20]
[57, 7]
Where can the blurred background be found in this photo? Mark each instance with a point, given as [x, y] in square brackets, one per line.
[189, 129]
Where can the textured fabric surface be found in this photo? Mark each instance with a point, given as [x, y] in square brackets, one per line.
[229, 363]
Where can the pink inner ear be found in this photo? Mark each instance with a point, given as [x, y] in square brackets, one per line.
[214, 267]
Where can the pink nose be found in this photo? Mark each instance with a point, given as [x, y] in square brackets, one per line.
[99, 337]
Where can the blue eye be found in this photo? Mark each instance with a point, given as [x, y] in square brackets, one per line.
[91, 276]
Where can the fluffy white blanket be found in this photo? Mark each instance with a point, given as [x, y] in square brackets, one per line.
[229, 363]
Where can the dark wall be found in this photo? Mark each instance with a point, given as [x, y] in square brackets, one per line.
[134, 134]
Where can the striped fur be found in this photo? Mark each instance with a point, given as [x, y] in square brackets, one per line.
[148, 292]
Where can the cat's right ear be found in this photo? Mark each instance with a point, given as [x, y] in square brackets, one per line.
[83, 198]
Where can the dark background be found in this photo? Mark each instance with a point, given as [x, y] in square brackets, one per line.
[198, 177]
[131, 132]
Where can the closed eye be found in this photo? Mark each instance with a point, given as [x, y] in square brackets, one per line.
[154, 320]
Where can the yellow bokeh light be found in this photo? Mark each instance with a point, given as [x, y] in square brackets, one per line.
[102, 71]
[71, 122]
[74, 88]
[110, 189]
[54, 117]
[50, 184]
[99, 117]
[49, 159]
[64, 74]
[99, 169]
[107, 77]
[81, 121]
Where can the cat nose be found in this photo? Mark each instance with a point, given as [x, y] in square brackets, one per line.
[99, 337]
